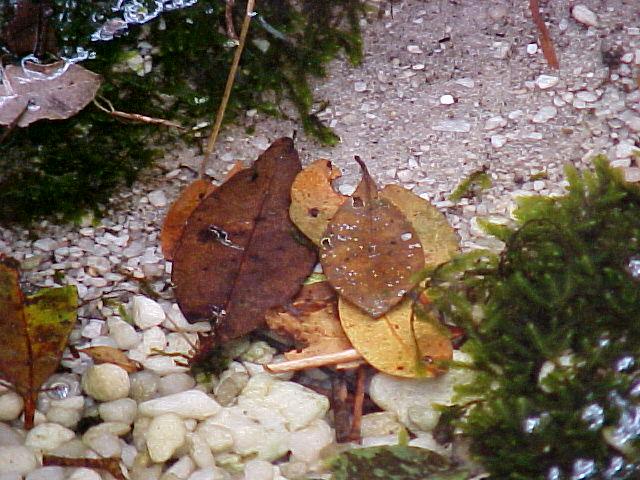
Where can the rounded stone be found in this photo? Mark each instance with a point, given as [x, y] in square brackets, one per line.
[48, 436]
[11, 405]
[17, 459]
[123, 410]
[165, 435]
[106, 382]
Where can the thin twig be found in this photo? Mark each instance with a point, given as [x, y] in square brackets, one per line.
[227, 89]
[358, 403]
[341, 420]
[315, 361]
[13, 124]
[545, 39]
[111, 465]
[134, 117]
[228, 19]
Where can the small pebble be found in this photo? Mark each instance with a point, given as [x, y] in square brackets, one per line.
[495, 122]
[360, 86]
[11, 405]
[498, 141]
[546, 81]
[165, 435]
[545, 114]
[456, 126]
[585, 16]
[586, 96]
[414, 49]
[84, 474]
[123, 410]
[46, 473]
[17, 459]
[532, 48]
[146, 313]
[157, 198]
[447, 100]
[106, 382]
[258, 470]
[188, 404]
[48, 436]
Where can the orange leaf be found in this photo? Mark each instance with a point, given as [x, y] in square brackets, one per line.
[103, 354]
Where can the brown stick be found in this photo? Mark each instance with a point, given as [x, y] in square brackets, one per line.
[111, 465]
[340, 407]
[358, 402]
[135, 117]
[227, 89]
[228, 20]
[545, 39]
[314, 361]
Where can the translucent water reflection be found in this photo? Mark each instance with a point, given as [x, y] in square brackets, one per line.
[583, 468]
[593, 415]
[633, 267]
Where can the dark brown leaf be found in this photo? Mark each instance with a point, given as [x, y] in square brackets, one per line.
[240, 255]
[111, 465]
[104, 354]
[55, 92]
[370, 251]
[33, 334]
[28, 29]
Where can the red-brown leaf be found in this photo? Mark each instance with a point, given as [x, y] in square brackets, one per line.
[370, 251]
[240, 255]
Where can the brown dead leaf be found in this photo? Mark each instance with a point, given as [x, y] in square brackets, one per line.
[33, 334]
[104, 354]
[439, 240]
[240, 255]
[312, 321]
[184, 206]
[370, 251]
[313, 200]
[55, 92]
[396, 343]
[27, 30]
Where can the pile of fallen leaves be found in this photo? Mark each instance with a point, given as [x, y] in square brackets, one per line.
[243, 255]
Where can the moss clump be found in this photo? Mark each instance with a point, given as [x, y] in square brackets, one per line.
[67, 166]
[554, 332]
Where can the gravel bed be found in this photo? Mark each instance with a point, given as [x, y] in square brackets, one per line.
[446, 89]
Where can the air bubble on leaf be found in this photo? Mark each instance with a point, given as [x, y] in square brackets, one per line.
[633, 267]
[406, 236]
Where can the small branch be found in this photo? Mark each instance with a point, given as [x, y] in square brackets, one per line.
[545, 39]
[340, 407]
[358, 403]
[135, 117]
[316, 361]
[111, 465]
[13, 124]
[228, 19]
[227, 89]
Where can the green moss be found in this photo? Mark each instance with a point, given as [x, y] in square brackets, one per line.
[69, 166]
[554, 330]
[471, 186]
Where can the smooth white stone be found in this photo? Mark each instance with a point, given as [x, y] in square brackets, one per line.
[414, 49]
[495, 122]
[181, 469]
[447, 100]
[153, 340]
[9, 436]
[46, 473]
[165, 435]
[144, 385]
[545, 114]
[123, 410]
[466, 82]
[360, 86]
[258, 470]
[84, 474]
[48, 436]
[175, 321]
[124, 334]
[306, 444]
[585, 16]
[498, 141]
[539, 185]
[532, 48]
[188, 404]
[380, 423]
[157, 198]
[175, 383]
[417, 397]
[106, 382]
[456, 126]
[163, 365]
[546, 81]
[146, 313]
[199, 450]
[210, 473]
[11, 405]
[218, 437]
[17, 459]
[626, 149]
[586, 96]
[106, 444]
[181, 343]
[67, 417]
[298, 405]
[46, 244]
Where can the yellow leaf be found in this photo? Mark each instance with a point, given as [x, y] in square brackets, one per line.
[395, 343]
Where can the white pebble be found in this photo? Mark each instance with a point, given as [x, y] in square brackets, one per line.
[495, 122]
[199, 450]
[106, 444]
[209, 473]
[466, 82]
[165, 435]
[144, 385]
[532, 48]
[46, 473]
[546, 81]
[157, 198]
[162, 365]
[146, 313]
[17, 459]
[10, 406]
[175, 383]
[46, 244]
[106, 382]
[585, 16]
[447, 100]
[307, 444]
[48, 436]
[457, 126]
[123, 410]
[632, 174]
[182, 468]
[538, 185]
[258, 470]
[545, 114]
[67, 417]
[84, 474]
[9, 436]
[188, 404]
[498, 141]
[153, 340]
[360, 86]
[218, 437]
[414, 49]
[124, 334]
[586, 96]
[379, 424]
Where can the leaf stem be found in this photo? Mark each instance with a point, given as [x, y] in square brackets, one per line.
[227, 89]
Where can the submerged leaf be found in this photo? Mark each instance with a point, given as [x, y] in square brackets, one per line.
[370, 251]
[34, 333]
[312, 320]
[240, 255]
[396, 343]
[314, 202]
[439, 240]
[394, 462]
[104, 354]
[28, 31]
[35, 92]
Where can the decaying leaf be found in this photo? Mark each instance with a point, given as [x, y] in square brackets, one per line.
[33, 334]
[439, 240]
[312, 320]
[28, 30]
[183, 207]
[314, 202]
[394, 462]
[370, 251]
[55, 92]
[104, 354]
[111, 465]
[396, 343]
[240, 255]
